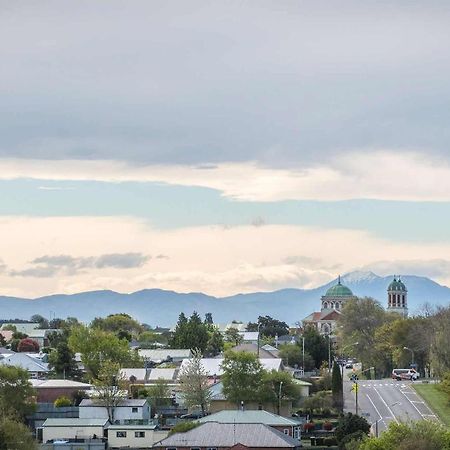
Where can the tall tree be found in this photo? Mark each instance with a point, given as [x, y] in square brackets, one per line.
[242, 377]
[215, 343]
[276, 387]
[269, 327]
[42, 321]
[316, 345]
[158, 393]
[232, 335]
[62, 361]
[194, 384]
[14, 435]
[336, 387]
[192, 333]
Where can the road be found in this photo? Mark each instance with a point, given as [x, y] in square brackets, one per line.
[386, 401]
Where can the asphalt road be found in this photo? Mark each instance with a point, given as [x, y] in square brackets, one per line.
[386, 401]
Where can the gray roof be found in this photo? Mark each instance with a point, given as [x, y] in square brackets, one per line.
[25, 362]
[128, 402]
[213, 434]
[75, 422]
[253, 348]
[249, 416]
[162, 354]
[132, 427]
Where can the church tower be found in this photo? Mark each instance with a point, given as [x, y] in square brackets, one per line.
[398, 297]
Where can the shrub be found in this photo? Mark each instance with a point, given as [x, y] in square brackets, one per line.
[27, 345]
[307, 427]
[327, 426]
[62, 401]
[329, 441]
[182, 427]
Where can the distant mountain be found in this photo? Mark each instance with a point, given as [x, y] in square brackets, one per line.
[160, 307]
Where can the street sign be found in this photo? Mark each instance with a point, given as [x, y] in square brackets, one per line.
[355, 388]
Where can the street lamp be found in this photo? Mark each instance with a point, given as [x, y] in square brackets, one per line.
[279, 397]
[412, 354]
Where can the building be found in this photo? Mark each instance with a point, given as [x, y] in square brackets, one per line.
[285, 425]
[331, 305]
[47, 391]
[227, 436]
[35, 367]
[134, 436]
[126, 411]
[157, 356]
[73, 429]
[397, 297]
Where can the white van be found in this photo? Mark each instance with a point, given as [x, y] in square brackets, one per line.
[405, 374]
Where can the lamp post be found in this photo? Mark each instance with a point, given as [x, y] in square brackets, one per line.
[412, 354]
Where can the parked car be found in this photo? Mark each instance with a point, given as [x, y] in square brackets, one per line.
[405, 374]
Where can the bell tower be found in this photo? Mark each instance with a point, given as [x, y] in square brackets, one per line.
[398, 297]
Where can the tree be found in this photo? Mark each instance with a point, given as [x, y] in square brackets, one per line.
[215, 343]
[194, 384]
[28, 345]
[208, 319]
[2, 340]
[183, 427]
[420, 435]
[232, 335]
[159, 393]
[16, 392]
[336, 387]
[14, 435]
[62, 401]
[242, 377]
[269, 326]
[42, 321]
[349, 424]
[122, 325]
[110, 385]
[62, 361]
[192, 333]
[97, 346]
[316, 345]
[440, 348]
[292, 355]
[278, 386]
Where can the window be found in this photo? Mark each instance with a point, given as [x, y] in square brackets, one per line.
[171, 448]
[211, 448]
[286, 431]
[134, 410]
[195, 448]
[297, 434]
[121, 434]
[139, 434]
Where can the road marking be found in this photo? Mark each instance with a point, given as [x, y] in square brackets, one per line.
[387, 406]
[415, 407]
[376, 409]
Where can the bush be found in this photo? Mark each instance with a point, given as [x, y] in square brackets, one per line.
[307, 427]
[352, 437]
[62, 401]
[329, 441]
[182, 427]
[327, 426]
[28, 345]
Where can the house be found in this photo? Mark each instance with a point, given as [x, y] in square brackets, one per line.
[213, 366]
[149, 376]
[253, 348]
[303, 386]
[157, 356]
[35, 367]
[219, 403]
[227, 436]
[285, 425]
[134, 436]
[73, 429]
[49, 390]
[249, 336]
[21, 327]
[128, 410]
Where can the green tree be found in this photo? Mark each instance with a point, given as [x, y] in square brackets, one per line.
[183, 427]
[110, 385]
[42, 321]
[215, 343]
[16, 392]
[318, 402]
[276, 387]
[233, 336]
[97, 346]
[316, 345]
[336, 387]
[420, 435]
[349, 424]
[62, 401]
[194, 384]
[440, 348]
[121, 325]
[14, 435]
[192, 333]
[158, 393]
[208, 319]
[62, 361]
[269, 326]
[242, 377]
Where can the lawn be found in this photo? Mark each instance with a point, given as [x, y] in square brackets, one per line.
[436, 400]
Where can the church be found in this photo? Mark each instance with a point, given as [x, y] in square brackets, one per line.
[336, 296]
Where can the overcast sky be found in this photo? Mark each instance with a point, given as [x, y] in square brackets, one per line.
[222, 146]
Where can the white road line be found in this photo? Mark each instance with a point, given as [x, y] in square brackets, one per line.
[415, 407]
[376, 409]
[387, 406]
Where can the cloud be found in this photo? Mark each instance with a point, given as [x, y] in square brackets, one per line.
[50, 265]
[210, 259]
[382, 175]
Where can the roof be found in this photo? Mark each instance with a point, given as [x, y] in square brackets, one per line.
[222, 327]
[59, 384]
[213, 366]
[25, 362]
[248, 416]
[213, 434]
[397, 285]
[249, 335]
[128, 402]
[139, 374]
[165, 374]
[75, 422]
[302, 382]
[253, 348]
[24, 327]
[132, 427]
[162, 354]
[339, 290]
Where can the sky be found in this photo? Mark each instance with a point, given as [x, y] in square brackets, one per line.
[222, 147]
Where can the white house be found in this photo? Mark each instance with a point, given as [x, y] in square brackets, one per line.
[73, 429]
[35, 367]
[128, 410]
[134, 436]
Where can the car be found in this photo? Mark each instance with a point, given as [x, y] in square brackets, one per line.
[349, 366]
[405, 374]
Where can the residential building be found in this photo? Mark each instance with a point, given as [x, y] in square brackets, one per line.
[134, 436]
[35, 367]
[128, 410]
[48, 391]
[157, 356]
[227, 436]
[75, 428]
[287, 426]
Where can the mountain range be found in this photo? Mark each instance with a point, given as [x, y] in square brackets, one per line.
[162, 307]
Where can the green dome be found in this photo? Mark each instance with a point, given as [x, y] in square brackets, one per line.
[397, 285]
[339, 290]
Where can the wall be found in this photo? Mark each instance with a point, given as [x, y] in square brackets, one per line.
[220, 405]
[49, 395]
[151, 436]
[120, 413]
[49, 433]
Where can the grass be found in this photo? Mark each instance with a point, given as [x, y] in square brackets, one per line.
[437, 400]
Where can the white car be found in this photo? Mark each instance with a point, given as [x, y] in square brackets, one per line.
[405, 374]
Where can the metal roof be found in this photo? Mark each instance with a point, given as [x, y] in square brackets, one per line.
[248, 416]
[125, 402]
[213, 434]
[75, 422]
